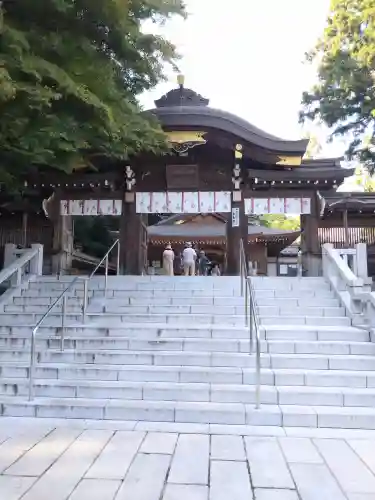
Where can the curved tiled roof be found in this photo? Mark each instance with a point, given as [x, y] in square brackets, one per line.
[327, 169]
[183, 107]
[205, 117]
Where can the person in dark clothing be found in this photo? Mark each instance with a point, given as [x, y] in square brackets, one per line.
[203, 264]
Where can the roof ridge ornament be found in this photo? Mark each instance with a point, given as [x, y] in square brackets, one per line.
[181, 96]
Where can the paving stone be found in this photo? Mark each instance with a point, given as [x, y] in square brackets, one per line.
[330, 433]
[350, 471]
[159, 442]
[316, 482]
[190, 461]
[299, 450]
[65, 474]
[37, 460]
[227, 448]
[247, 430]
[185, 492]
[229, 480]
[115, 459]
[145, 479]
[268, 467]
[361, 496]
[172, 427]
[12, 449]
[365, 450]
[275, 494]
[96, 489]
[12, 488]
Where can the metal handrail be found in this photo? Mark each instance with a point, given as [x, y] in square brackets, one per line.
[87, 280]
[251, 318]
[63, 297]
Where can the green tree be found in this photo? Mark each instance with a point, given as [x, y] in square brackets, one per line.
[93, 234]
[287, 223]
[70, 73]
[314, 148]
[363, 179]
[344, 97]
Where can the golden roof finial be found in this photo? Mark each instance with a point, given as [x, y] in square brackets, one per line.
[181, 80]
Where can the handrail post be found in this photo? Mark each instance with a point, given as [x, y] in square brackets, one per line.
[257, 381]
[32, 366]
[241, 269]
[251, 325]
[63, 318]
[85, 300]
[246, 303]
[118, 258]
[106, 276]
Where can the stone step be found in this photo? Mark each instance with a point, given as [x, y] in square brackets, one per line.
[38, 300]
[307, 311]
[185, 293]
[151, 309]
[314, 306]
[73, 308]
[191, 412]
[304, 320]
[294, 294]
[281, 302]
[157, 343]
[55, 318]
[203, 392]
[276, 282]
[141, 287]
[191, 374]
[213, 310]
[194, 358]
[313, 332]
[149, 331]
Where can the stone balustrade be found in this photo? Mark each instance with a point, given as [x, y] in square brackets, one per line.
[352, 286]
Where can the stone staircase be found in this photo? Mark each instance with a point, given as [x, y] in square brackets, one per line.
[177, 350]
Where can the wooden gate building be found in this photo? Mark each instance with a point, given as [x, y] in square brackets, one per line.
[217, 163]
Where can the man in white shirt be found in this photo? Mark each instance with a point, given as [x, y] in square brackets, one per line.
[168, 259]
[189, 257]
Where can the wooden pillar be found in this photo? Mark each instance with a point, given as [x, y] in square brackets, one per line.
[311, 251]
[131, 251]
[237, 225]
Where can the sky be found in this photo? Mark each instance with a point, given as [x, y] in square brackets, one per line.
[247, 57]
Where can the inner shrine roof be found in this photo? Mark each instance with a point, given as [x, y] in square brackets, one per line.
[354, 202]
[168, 228]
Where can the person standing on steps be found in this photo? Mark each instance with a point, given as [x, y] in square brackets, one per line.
[203, 264]
[189, 256]
[168, 260]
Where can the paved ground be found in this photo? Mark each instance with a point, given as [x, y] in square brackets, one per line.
[91, 460]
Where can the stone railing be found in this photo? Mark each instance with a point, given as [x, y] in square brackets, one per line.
[352, 286]
[21, 266]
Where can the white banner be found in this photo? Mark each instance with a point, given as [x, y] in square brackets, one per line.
[90, 207]
[277, 206]
[191, 202]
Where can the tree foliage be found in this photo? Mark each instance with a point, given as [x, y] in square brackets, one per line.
[314, 147]
[344, 97]
[70, 71]
[93, 234]
[364, 180]
[287, 223]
